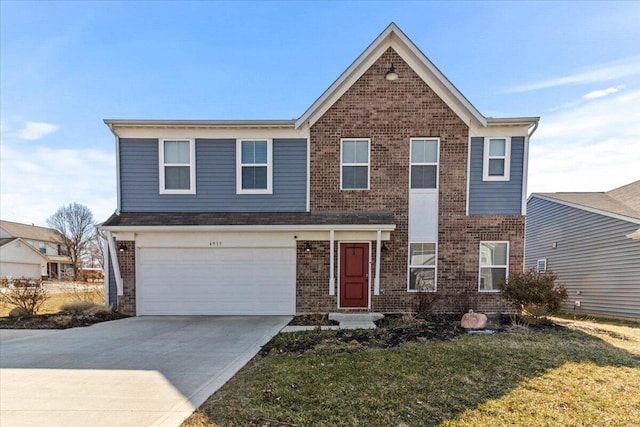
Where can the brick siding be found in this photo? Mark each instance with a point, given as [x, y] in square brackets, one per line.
[127, 262]
[390, 113]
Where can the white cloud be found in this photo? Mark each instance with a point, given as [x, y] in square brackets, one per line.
[600, 73]
[588, 147]
[602, 93]
[36, 181]
[36, 130]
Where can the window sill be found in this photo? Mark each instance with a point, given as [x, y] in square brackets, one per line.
[242, 192]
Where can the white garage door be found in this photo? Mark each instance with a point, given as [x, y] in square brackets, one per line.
[196, 281]
[17, 270]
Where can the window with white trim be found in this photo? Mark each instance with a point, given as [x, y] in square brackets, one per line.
[422, 267]
[541, 265]
[424, 163]
[494, 266]
[354, 164]
[177, 166]
[497, 159]
[254, 166]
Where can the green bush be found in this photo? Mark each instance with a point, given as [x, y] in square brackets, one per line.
[534, 294]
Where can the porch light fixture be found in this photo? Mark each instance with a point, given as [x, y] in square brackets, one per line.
[384, 247]
[391, 74]
[308, 248]
[122, 247]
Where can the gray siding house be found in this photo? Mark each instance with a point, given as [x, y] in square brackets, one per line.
[592, 242]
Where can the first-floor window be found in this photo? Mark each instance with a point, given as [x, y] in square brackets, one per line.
[494, 265]
[541, 265]
[422, 266]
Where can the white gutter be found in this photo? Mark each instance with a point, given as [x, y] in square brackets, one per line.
[133, 123]
[199, 228]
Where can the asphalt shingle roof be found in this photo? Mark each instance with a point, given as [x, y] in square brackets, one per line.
[249, 218]
[623, 201]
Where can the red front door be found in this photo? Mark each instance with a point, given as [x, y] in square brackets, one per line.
[354, 275]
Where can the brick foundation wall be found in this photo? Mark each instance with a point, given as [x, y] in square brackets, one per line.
[390, 113]
[127, 262]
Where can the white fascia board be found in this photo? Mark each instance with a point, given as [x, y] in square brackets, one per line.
[199, 132]
[306, 227]
[515, 129]
[393, 37]
[122, 123]
[585, 208]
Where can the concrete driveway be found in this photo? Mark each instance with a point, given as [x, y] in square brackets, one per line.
[140, 371]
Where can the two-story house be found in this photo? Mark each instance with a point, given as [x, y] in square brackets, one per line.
[31, 251]
[389, 185]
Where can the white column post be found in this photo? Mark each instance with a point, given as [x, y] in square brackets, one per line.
[376, 281]
[332, 277]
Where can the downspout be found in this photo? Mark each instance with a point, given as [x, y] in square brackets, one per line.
[114, 259]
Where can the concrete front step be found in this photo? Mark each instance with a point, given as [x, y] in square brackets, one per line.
[356, 320]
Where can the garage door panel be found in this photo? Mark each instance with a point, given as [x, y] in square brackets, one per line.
[216, 281]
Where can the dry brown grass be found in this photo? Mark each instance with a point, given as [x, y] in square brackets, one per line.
[584, 374]
[55, 300]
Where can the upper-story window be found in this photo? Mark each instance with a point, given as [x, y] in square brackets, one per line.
[494, 265]
[424, 163]
[354, 164]
[177, 166]
[497, 159]
[254, 166]
[42, 246]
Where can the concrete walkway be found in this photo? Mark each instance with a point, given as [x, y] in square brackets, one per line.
[142, 371]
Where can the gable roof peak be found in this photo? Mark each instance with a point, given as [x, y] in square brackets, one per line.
[392, 36]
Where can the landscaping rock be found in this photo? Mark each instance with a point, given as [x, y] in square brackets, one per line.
[18, 312]
[473, 320]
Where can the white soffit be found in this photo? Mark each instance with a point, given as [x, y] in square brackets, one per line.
[393, 37]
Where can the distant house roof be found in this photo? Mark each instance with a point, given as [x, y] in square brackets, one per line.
[31, 232]
[7, 240]
[623, 201]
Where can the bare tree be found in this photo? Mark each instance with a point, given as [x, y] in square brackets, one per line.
[94, 255]
[75, 223]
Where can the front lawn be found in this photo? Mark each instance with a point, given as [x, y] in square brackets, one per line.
[575, 374]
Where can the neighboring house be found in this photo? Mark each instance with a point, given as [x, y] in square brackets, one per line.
[17, 257]
[591, 241]
[390, 184]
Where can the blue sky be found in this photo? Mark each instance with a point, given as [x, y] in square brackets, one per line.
[65, 66]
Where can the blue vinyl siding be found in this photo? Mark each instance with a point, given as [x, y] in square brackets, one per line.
[215, 179]
[496, 197]
[113, 290]
[594, 259]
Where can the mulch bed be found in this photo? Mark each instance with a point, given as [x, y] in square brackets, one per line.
[349, 341]
[57, 321]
